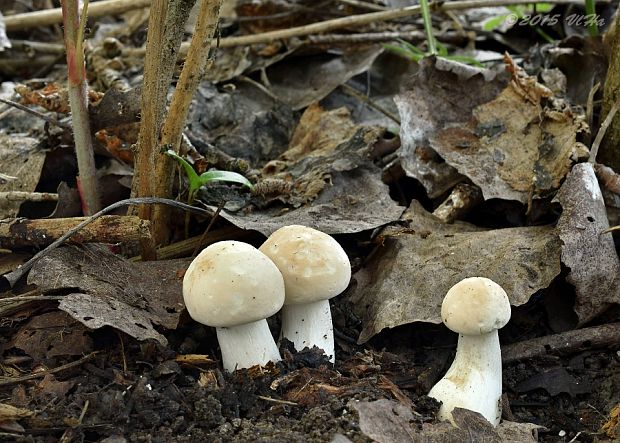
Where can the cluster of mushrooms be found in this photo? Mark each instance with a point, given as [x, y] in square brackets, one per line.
[235, 287]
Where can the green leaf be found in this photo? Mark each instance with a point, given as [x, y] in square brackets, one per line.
[225, 176]
[404, 52]
[465, 59]
[495, 22]
[194, 180]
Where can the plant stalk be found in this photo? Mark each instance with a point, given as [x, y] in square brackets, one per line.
[191, 76]
[78, 100]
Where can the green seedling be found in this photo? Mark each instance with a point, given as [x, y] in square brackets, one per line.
[197, 181]
[435, 48]
[414, 53]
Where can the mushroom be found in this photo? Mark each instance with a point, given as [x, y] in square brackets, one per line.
[234, 287]
[476, 308]
[315, 268]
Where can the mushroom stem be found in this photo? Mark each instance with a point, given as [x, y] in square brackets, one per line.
[474, 381]
[247, 345]
[309, 324]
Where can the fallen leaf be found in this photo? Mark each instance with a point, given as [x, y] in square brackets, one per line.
[52, 334]
[384, 421]
[590, 255]
[110, 290]
[300, 84]
[555, 381]
[475, 129]
[22, 158]
[438, 97]
[335, 187]
[407, 278]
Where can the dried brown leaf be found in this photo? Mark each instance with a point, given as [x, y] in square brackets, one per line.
[407, 278]
[590, 255]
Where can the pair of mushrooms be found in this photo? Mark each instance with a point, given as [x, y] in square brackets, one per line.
[234, 287]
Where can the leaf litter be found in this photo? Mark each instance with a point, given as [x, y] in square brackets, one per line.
[513, 137]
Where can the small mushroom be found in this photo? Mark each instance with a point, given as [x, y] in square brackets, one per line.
[234, 287]
[476, 308]
[315, 268]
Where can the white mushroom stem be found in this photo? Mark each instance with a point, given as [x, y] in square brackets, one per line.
[247, 345]
[309, 324]
[474, 381]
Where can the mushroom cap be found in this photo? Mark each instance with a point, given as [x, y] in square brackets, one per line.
[232, 283]
[313, 264]
[475, 306]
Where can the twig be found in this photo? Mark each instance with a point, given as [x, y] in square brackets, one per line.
[601, 132]
[364, 19]
[14, 276]
[47, 17]
[42, 116]
[564, 343]
[21, 196]
[363, 5]
[191, 76]
[276, 400]
[204, 234]
[355, 93]
[41, 374]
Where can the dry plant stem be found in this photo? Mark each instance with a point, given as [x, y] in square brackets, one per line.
[610, 153]
[13, 277]
[22, 196]
[22, 232]
[42, 116]
[47, 17]
[78, 99]
[364, 19]
[186, 247]
[41, 374]
[166, 24]
[111, 7]
[191, 76]
[565, 343]
[603, 130]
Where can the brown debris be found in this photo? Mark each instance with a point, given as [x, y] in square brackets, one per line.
[21, 232]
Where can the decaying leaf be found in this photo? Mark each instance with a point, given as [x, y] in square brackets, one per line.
[386, 421]
[555, 381]
[513, 143]
[590, 255]
[438, 97]
[109, 290]
[300, 84]
[243, 123]
[20, 157]
[331, 174]
[408, 276]
[52, 334]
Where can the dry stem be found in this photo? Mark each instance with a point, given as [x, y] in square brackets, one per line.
[166, 23]
[47, 17]
[190, 78]
[78, 99]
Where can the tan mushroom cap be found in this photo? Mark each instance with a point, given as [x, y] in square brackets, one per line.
[313, 264]
[232, 283]
[475, 306]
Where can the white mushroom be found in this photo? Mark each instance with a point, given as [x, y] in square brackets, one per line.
[315, 268]
[476, 308]
[234, 287]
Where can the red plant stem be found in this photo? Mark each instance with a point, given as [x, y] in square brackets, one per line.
[78, 99]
